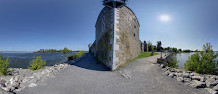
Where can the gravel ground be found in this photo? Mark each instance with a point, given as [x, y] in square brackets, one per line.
[87, 76]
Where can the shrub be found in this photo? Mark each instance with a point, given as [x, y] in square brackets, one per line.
[77, 55]
[203, 62]
[172, 62]
[4, 66]
[37, 64]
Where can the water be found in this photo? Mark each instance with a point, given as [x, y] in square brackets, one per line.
[183, 57]
[22, 59]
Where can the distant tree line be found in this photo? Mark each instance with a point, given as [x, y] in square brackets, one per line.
[65, 50]
[148, 47]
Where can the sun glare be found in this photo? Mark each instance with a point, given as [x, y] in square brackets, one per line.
[165, 18]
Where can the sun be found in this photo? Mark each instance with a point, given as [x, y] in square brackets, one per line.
[165, 18]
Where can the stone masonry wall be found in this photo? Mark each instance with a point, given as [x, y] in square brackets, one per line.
[103, 49]
[127, 30]
[117, 37]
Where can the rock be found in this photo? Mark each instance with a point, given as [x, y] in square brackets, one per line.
[203, 79]
[194, 74]
[211, 82]
[171, 75]
[178, 74]
[162, 66]
[197, 78]
[6, 89]
[2, 81]
[187, 80]
[16, 79]
[215, 88]
[186, 75]
[32, 85]
[211, 91]
[166, 73]
[197, 84]
[180, 79]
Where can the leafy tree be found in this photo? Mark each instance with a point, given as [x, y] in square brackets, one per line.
[159, 46]
[174, 49]
[37, 64]
[150, 46]
[204, 61]
[180, 50]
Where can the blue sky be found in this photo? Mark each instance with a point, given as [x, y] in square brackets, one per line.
[29, 25]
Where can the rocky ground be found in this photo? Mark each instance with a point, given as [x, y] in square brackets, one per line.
[22, 78]
[195, 80]
[87, 76]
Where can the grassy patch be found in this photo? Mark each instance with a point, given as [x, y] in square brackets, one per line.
[141, 55]
[77, 55]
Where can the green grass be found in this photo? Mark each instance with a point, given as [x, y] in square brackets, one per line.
[141, 55]
[77, 55]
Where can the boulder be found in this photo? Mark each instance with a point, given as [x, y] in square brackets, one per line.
[215, 88]
[178, 75]
[187, 80]
[194, 74]
[166, 73]
[197, 78]
[211, 91]
[162, 66]
[180, 79]
[197, 84]
[186, 75]
[171, 75]
[2, 81]
[211, 82]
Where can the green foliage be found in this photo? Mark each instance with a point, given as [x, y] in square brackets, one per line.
[65, 50]
[172, 62]
[77, 55]
[203, 62]
[1, 56]
[37, 64]
[159, 44]
[174, 50]
[187, 50]
[150, 46]
[4, 66]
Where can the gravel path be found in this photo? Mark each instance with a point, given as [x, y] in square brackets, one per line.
[87, 76]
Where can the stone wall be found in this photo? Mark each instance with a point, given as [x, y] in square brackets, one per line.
[104, 37]
[117, 37]
[127, 30]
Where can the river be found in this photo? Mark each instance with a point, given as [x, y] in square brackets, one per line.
[22, 59]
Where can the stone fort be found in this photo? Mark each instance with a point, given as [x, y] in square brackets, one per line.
[117, 34]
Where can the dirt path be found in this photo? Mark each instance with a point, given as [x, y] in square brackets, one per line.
[88, 77]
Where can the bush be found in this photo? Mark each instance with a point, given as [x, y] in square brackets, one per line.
[203, 62]
[37, 64]
[77, 55]
[4, 66]
[172, 62]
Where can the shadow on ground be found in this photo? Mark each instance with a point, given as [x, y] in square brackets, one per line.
[89, 62]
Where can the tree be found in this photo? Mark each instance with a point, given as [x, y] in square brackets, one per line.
[180, 50]
[4, 70]
[204, 61]
[150, 46]
[145, 46]
[37, 64]
[159, 46]
[174, 49]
